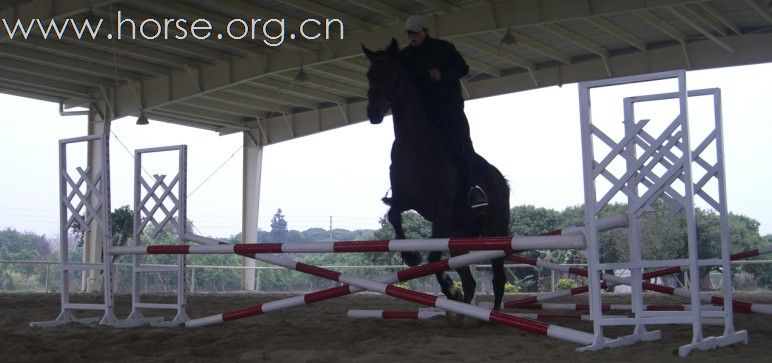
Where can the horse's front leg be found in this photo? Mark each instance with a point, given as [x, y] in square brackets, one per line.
[446, 282]
[499, 280]
[467, 281]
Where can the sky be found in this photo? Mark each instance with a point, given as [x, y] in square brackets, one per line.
[336, 178]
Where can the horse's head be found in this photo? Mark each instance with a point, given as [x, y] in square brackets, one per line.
[383, 77]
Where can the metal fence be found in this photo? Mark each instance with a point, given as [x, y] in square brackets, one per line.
[45, 276]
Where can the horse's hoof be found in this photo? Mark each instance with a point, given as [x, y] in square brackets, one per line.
[456, 294]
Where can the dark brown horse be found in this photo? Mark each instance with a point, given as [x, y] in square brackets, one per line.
[424, 178]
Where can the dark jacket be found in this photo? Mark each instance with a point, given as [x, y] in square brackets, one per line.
[440, 54]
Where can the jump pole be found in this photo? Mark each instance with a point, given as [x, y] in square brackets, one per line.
[422, 314]
[615, 307]
[326, 294]
[734, 257]
[575, 241]
[403, 275]
[738, 305]
[488, 315]
[495, 317]
[646, 275]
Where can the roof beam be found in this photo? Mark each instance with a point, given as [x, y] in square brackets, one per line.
[350, 76]
[760, 9]
[483, 67]
[658, 59]
[380, 7]
[506, 14]
[617, 31]
[35, 56]
[188, 119]
[220, 23]
[442, 6]
[542, 48]
[496, 52]
[197, 48]
[133, 51]
[699, 28]
[53, 73]
[337, 86]
[46, 10]
[236, 47]
[706, 18]
[581, 41]
[246, 101]
[331, 13]
[275, 100]
[97, 57]
[31, 92]
[216, 106]
[200, 124]
[720, 17]
[35, 81]
[299, 89]
[223, 118]
[661, 25]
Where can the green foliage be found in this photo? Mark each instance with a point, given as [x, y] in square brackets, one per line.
[122, 225]
[509, 288]
[565, 284]
[414, 226]
[15, 242]
[663, 237]
[527, 220]
[279, 232]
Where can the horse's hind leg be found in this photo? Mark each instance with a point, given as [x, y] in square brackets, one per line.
[395, 218]
[499, 280]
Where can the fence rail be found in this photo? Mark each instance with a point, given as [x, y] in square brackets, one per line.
[193, 269]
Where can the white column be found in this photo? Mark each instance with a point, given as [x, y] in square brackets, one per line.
[253, 164]
[92, 240]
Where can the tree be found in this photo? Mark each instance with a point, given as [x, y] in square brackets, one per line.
[279, 232]
[122, 224]
[16, 242]
[414, 226]
[527, 220]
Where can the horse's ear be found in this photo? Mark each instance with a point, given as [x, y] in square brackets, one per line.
[393, 46]
[369, 53]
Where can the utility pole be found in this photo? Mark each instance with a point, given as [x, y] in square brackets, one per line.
[330, 228]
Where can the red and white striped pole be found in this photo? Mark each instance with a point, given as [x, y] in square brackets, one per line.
[737, 305]
[550, 296]
[422, 314]
[402, 275]
[488, 315]
[615, 307]
[574, 241]
[734, 257]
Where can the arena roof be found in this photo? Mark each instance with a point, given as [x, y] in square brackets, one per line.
[230, 85]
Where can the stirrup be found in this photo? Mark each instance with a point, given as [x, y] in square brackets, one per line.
[477, 197]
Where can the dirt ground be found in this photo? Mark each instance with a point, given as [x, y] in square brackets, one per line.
[322, 333]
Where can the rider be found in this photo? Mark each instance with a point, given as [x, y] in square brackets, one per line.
[435, 67]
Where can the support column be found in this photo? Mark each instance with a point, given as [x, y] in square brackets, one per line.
[253, 165]
[97, 158]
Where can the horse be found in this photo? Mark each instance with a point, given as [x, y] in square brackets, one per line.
[424, 177]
